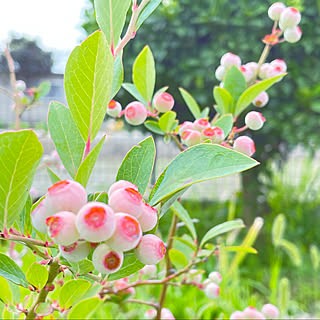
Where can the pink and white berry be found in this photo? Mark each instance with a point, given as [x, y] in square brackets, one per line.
[201, 124]
[244, 145]
[62, 228]
[190, 137]
[149, 270]
[128, 200]
[215, 277]
[39, 216]
[20, 85]
[66, 195]
[253, 313]
[195, 275]
[135, 113]
[215, 134]
[121, 184]
[149, 218]
[150, 314]
[107, 260]
[76, 251]
[254, 120]
[275, 10]
[220, 73]
[253, 66]
[114, 108]
[184, 126]
[163, 102]
[289, 18]
[212, 290]
[127, 234]
[166, 314]
[237, 315]
[248, 74]
[121, 284]
[261, 100]
[264, 69]
[293, 34]
[229, 59]
[150, 250]
[96, 222]
[280, 65]
[270, 311]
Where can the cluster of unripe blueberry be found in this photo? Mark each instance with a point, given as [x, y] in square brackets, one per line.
[78, 226]
[268, 311]
[211, 285]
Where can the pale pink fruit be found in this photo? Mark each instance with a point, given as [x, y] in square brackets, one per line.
[264, 70]
[215, 134]
[293, 34]
[166, 314]
[150, 314]
[254, 120]
[220, 73]
[114, 108]
[127, 200]
[237, 315]
[121, 184]
[121, 284]
[215, 277]
[212, 290]
[135, 113]
[244, 145]
[229, 59]
[76, 251]
[289, 18]
[253, 313]
[62, 228]
[20, 85]
[127, 233]
[195, 275]
[201, 124]
[261, 100]
[96, 222]
[66, 195]
[275, 10]
[206, 282]
[270, 311]
[253, 66]
[190, 137]
[163, 102]
[280, 65]
[39, 216]
[106, 260]
[248, 74]
[149, 270]
[150, 250]
[184, 126]
[149, 218]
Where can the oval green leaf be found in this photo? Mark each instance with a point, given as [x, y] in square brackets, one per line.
[85, 308]
[235, 83]
[191, 103]
[177, 258]
[10, 270]
[37, 275]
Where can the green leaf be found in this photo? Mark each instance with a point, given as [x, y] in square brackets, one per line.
[43, 89]
[88, 82]
[167, 120]
[43, 309]
[5, 292]
[147, 11]
[183, 214]
[130, 266]
[221, 228]
[223, 99]
[88, 163]
[117, 76]
[131, 88]
[153, 126]
[225, 122]
[101, 197]
[72, 291]
[53, 177]
[177, 258]
[10, 270]
[278, 227]
[205, 112]
[111, 17]
[315, 256]
[241, 249]
[234, 83]
[24, 222]
[37, 275]
[199, 163]
[137, 165]
[66, 137]
[252, 92]
[161, 90]
[85, 308]
[188, 243]
[144, 74]
[20, 154]
[292, 251]
[191, 103]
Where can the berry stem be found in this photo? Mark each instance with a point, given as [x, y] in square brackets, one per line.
[26, 240]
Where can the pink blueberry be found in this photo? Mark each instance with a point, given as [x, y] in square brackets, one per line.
[121, 284]
[263, 71]
[215, 134]
[66, 195]
[166, 314]
[76, 251]
[229, 59]
[20, 85]
[261, 100]
[253, 66]
[149, 270]
[62, 228]
[149, 218]
[244, 145]
[201, 124]
[212, 290]
[184, 126]
[248, 74]
[163, 102]
[107, 260]
[289, 18]
[254, 120]
[220, 73]
[150, 314]
[135, 113]
[127, 234]
[215, 277]
[96, 222]
[190, 137]
[275, 10]
[253, 313]
[121, 184]
[293, 34]
[150, 250]
[270, 311]
[280, 64]
[114, 108]
[195, 275]
[39, 216]
[237, 315]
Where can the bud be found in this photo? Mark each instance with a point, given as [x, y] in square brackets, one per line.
[220, 73]
[135, 113]
[212, 290]
[20, 85]
[215, 134]
[289, 18]
[248, 75]
[62, 228]
[275, 11]
[253, 66]
[280, 65]
[264, 69]
[229, 59]
[244, 145]
[261, 100]
[201, 124]
[293, 34]
[149, 218]
[254, 120]
[66, 195]
[190, 137]
[39, 216]
[121, 184]
[252, 313]
[76, 251]
[215, 277]
[237, 315]
[270, 311]
[96, 222]
[150, 250]
[106, 260]
[127, 233]
[114, 108]
[163, 102]
[150, 270]
[128, 200]
[184, 126]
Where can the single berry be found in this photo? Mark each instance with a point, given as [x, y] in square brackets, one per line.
[254, 120]
[244, 145]
[195, 275]
[261, 100]
[128, 200]
[293, 34]
[114, 108]
[66, 195]
[185, 126]
[62, 228]
[275, 11]
[229, 59]
[237, 315]
[201, 124]
[96, 222]
[289, 18]
[20, 85]
[166, 314]
[150, 250]
[163, 102]
[190, 137]
[215, 277]
[149, 270]
[135, 113]
[212, 290]
[39, 216]
[206, 282]
[121, 184]
[149, 218]
[263, 71]
[121, 284]
[106, 260]
[150, 314]
[252, 313]
[248, 74]
[253, 66]
[270, 311]
[215, 134]
[220, 73]
[76, 251]
[127, 233]
[280, 65]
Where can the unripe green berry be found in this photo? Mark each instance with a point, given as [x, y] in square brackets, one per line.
[275, 10]
[163, 102]
[75, 252]
[254, 120]
[114, 108]
[220, 73]
[135, 113]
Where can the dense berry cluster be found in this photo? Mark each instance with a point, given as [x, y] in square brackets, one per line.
[268, 311]
[78, 226]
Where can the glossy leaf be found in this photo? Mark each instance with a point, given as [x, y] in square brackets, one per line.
[167, 120]
[190, 244]
[37, 275]
[191, 103]
[43, 309]
[53, 177]
[177, 258]
[5, 292]
[223, 99]
[225, 122]
[149, 9]
[153, 126]
[24, 222]
[10, 270]
[117, 76]
[235, 83]
[85, 308]
[131, 88]
[205, 112]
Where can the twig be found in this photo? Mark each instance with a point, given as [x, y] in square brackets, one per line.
[151, 304]
[26, 240]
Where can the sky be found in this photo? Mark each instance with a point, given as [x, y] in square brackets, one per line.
[55, 24]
